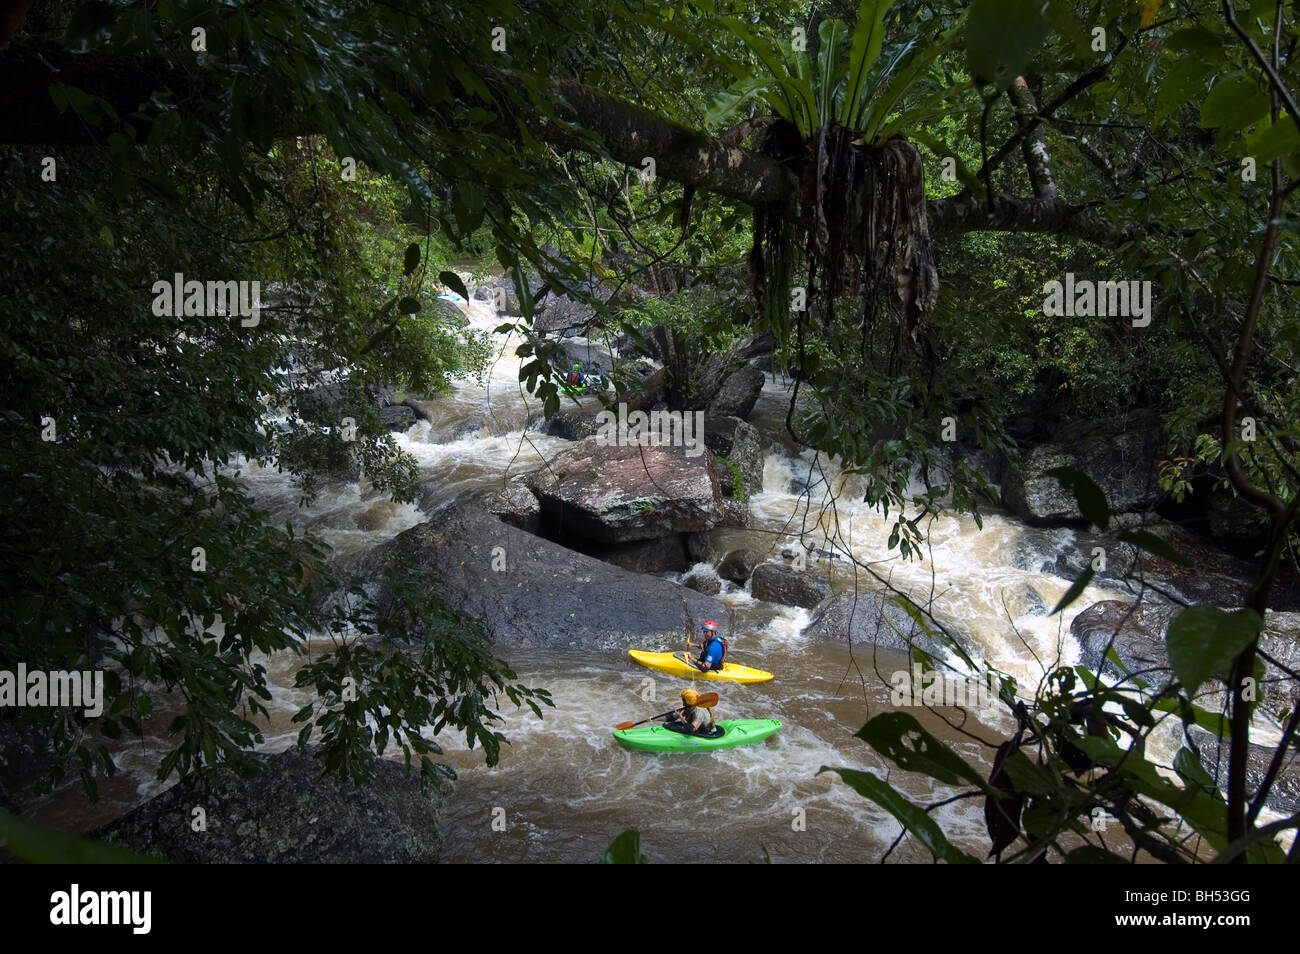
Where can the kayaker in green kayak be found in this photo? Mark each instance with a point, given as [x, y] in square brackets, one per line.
[692, 716]
[576, 380]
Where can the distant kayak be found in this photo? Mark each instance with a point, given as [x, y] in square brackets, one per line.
[657, 738]
[594, 381]
[675, 664]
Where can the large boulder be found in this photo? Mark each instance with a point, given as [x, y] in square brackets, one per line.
[573, 424]
[532, 592]
[720, 383]
[1235, 524]
[517, 506]
[1138, 635]
[1212, 577]
[734, 513]
[382, 395]
[288, 814]
[568, 316]
[449, 312]
[594, 357]
[869, 619]
[501, 292]
[1139, 642]
[576, 423]
[738, 393]
[1119, 456]
[615, 494]
[703, 579]
[699, 547]
[757, 346]
[396, 417]
[739, 565]
[660, 555]
[778, 583]
[736, 443]
[1283, 796]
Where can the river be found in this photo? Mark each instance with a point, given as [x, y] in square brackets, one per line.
[565, 789]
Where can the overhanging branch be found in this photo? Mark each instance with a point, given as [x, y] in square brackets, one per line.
[588, 120]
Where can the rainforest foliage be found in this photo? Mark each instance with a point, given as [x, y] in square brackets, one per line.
[884, 187]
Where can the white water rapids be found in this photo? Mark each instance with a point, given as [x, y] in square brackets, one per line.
[567, 789]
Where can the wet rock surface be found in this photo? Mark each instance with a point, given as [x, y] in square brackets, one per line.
[543, 595]
[778, 583]
[288, 814]
[868, 619]
[616, 494]
[738, 565]
[1118, 455]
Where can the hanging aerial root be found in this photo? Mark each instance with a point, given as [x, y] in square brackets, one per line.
[862, 227]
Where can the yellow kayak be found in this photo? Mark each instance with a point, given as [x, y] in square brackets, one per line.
[675, 664]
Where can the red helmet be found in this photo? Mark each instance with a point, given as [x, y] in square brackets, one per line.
[710, 626]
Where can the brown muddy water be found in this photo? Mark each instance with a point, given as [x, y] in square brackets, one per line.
[565, 789]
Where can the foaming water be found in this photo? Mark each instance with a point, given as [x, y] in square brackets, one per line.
[565, 786]
[986, 585]
[567, 789]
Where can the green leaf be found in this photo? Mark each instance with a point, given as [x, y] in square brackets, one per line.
[727, 104]
[1274, 140]
[1204, 640]
[1183, 83]
[902, 740]
[47, 846]
[1204, 811]
[1159, 546]
[864, 50]
[1093, 855]
[1076, 588]
[912, 817]
[832, 32]
[452, 281]
[1028, 777]
[1189, 767]
[1233, 103]
[790, 99]
[1198, 41]
[412, 261]
[471, 81]
[1091, 499]
[624, 850]
[919, 61]
[1001, 38]
[938, 636]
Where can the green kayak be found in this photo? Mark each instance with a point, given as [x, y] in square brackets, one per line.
[656, 738]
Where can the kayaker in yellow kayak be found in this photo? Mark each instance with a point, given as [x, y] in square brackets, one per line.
[713, 649]
[692, 714]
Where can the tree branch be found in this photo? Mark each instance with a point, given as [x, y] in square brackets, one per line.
[586, 119]
[1090, 78]
[1033, 143]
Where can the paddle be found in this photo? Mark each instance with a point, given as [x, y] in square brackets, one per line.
[706, 701]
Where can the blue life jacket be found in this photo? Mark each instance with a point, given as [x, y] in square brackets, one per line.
[714, 651]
